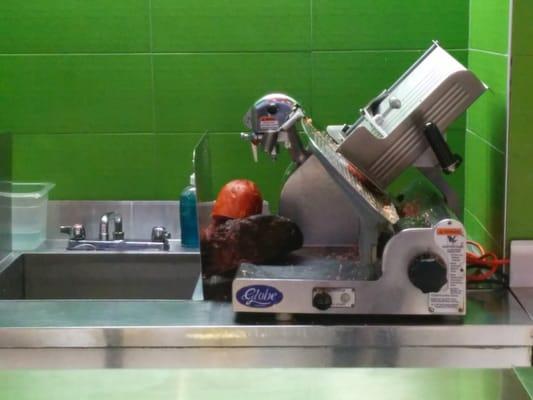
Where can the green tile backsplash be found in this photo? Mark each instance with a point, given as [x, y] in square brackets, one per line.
[110, 166]
[211, 92]
[173, 163]
[487, 123]
[489, 25]
[74, 26]
[242, 25]
[522, 27]
[389, 24]
[73, 94]
[520, 171]
[125, 88]
[487, 116]
[520, 152]
[485, 188]
[69, 161]
[477, 231]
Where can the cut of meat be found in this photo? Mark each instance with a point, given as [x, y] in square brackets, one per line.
[258, 239]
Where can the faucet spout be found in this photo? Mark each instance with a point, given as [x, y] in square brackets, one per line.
[118, 233]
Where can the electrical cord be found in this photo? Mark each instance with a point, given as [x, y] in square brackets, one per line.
[487, 264]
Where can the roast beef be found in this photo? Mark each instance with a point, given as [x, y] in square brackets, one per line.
[259, 239]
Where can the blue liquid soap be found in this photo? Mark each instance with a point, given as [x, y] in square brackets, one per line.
[188, 216]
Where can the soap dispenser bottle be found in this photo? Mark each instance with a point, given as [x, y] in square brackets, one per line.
[188, 216]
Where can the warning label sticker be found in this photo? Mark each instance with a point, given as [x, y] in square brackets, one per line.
[268, 123]
[450, 237]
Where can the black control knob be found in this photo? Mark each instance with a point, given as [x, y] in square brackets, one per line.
[322, 301]
[428, 273]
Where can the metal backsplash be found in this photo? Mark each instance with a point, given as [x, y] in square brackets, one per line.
[139, 217]
[5, 202]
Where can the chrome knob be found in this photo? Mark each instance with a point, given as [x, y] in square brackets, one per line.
[160, 234]
[75, 232]
[395, 102]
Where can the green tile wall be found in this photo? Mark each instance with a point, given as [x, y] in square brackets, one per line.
[485, 188]
[105, 166]
[520, 150]
[212, 91]
[487, 123]
[74, 26]
[388, 24]
[489, 25]
[240, 25]
[522, 29]
[107, 98]
[487, 116]
[72, 94]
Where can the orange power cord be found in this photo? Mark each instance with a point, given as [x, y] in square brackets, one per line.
[483, 259]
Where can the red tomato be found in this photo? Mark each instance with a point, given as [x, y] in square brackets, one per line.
[240, 198]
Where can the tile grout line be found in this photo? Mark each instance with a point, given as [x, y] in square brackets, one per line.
[501, 152]
[476, 219]
[508, 122]
[178, 53]
[494, 53]
[152, 72]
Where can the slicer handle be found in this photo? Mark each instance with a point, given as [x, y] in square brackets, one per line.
[448, 161]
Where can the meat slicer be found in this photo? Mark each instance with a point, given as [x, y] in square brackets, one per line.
[365, 250]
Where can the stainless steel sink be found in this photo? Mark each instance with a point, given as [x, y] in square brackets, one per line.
[35, 276]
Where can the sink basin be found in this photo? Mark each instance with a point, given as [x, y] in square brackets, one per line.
[35, 276]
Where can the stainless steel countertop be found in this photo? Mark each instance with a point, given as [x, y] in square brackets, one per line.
[493, 319]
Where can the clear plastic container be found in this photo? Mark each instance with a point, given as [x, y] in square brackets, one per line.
[29, 202]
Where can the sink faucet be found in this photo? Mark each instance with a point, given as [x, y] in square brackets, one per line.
[118, 233]
[77, 240]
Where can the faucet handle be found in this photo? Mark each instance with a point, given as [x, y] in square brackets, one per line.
[160, 234]
[75, 232]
